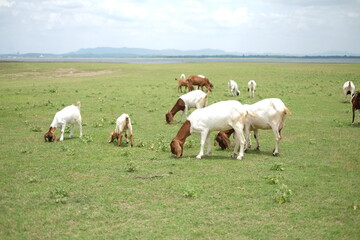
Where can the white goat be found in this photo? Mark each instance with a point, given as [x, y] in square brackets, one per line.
[252, 88]
[270, 114]
[193, 99]
[219, 116]
[348, 89]
[233, 88]
[69, 114]
[123, 126]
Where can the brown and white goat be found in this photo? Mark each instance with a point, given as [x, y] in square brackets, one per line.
[69, 114]
[355, 100]
[200, 81]
[193, 99]
[219, 116]
[270, 114]
[123, 126]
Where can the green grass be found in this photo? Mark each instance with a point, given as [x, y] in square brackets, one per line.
[88, 188]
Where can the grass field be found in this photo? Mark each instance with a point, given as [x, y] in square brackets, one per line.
[90, 189]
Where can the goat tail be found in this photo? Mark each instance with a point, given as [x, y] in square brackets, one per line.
[287, 111]
[78, 103]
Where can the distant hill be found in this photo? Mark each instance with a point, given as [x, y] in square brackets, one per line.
[143, 52]
[109, 52]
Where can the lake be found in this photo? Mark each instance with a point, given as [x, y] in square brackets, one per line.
[190, 59]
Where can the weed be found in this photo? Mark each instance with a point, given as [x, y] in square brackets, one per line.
[283, 194]
[69, 151]
[277, 167]
[86, 139]
[189, 192]
[33, 180]
[273, 179]
[127, 152]
[60, 195]
[130, 167]
[140, 144]
[34, 128]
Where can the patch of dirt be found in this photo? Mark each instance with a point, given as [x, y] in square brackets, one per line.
[60, 72]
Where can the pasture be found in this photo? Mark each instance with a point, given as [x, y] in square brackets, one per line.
[89, 189]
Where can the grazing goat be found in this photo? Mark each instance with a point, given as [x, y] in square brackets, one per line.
[182, 82]
[69, 114]
[123, 125]
[348, 89]
[270, 114]
[222, 138]
[193, 99]
[233, 88]
[219, 116]
[200, 81]
[252, 88]
[355, 100]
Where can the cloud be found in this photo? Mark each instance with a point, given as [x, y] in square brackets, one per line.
[267, 26]
[5, 3]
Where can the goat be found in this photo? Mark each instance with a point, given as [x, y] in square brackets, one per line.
[200, 81]
[69, 114]
[193, 99]
[233, 88]
[355, 100]
[270, 114]
[182, 82]
[123, 125]
[348, 89]
[222, 138]
[252, 88]
[219, 116]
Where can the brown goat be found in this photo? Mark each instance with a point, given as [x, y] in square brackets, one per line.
[177, 144]
[355, 100]
[49, 136]
[222, 138]
[200, 82]
[182, 82]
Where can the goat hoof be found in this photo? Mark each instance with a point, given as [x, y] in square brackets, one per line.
[275, 154]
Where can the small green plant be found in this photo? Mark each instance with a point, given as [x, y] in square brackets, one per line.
[277, 167]
[140, 144]
[86, 139]
[273, 179]
[59, 195]
[127, 152]
[190, 143]
[34, 128]
[130, 167]
[68, 150]
[189, 192]
[283, 194]
[33, 180]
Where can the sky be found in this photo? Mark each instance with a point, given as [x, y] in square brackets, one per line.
[243, 26]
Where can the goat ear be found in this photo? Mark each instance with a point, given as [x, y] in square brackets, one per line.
[111, 137]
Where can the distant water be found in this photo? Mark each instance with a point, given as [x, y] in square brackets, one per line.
[197, 60]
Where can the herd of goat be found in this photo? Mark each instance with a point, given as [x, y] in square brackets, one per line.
[226, 117]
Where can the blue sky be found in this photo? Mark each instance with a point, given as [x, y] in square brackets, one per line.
[245, 26]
